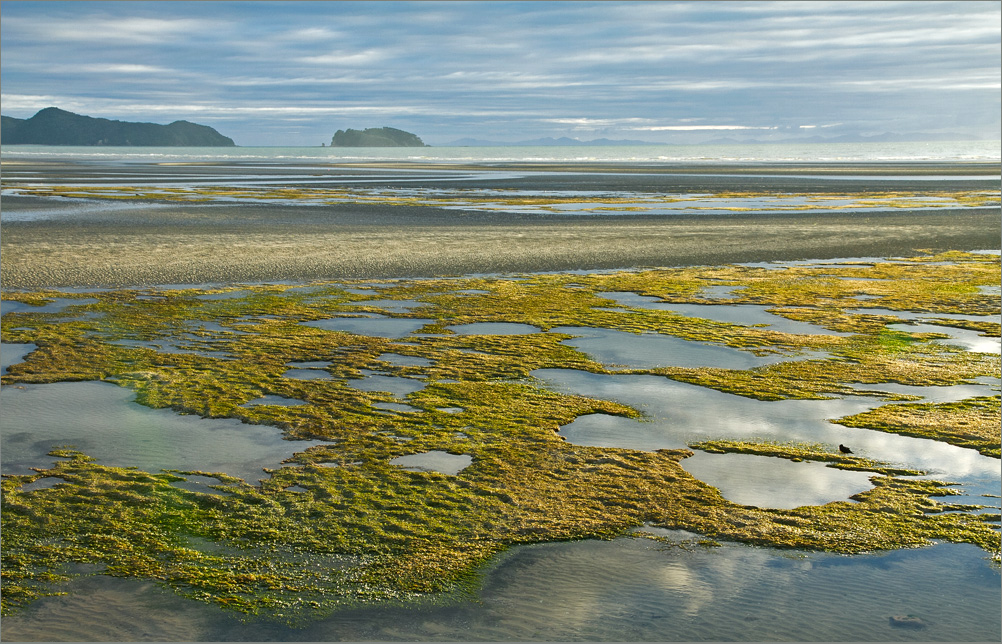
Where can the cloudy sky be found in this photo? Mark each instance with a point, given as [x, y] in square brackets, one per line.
[291, 73]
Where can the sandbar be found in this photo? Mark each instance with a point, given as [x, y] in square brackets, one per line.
[138, 243]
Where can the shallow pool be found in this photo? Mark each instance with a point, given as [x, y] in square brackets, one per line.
[493, 328]
[398, 386]
[648, 350]
[434, 461]
[744, 314]
[768, 482]
[12, 353]
[679, 413]
[377, 326]
[101, 420]
[626, 589]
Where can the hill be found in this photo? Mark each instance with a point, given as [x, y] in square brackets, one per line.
[376, 137]
[53, 126]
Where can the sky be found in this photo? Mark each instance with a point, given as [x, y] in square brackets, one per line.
[292, 73]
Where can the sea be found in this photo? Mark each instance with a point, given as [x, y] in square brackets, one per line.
[616, 590]
[865, 152]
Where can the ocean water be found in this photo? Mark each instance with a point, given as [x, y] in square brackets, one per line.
[654, 154]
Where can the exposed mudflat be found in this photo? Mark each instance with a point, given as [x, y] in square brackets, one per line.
[114, 242]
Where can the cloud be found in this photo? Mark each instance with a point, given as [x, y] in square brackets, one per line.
[696, 128]
[109, 28]
[346, 58]
[124, 68]
[311, 34]
[511, 71]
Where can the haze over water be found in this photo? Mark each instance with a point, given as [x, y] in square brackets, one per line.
[653, 154]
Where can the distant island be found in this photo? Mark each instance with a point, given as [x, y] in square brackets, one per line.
[376, 137]
[53, 126]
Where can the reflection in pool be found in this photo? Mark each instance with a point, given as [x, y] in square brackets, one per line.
[625, 589]
[769, 482]
[648, 350]
[100, 419]
[381, 327]
[718, 292]
[396, 385]
[13, 353]
[404, 361]
[746, 314]
[937, 394]
[965, 338]
[680, 413]
[308, 374]
[924, 315]
[434, 461]
[57, 305]
[924, 322]
[493, 328]
[272, 399]
[393, 306]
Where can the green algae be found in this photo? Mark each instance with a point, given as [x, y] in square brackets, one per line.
[803, 452]
[555, 203]
[338, 525]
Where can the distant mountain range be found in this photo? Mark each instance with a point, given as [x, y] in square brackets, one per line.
[53, 126]
[885, 137]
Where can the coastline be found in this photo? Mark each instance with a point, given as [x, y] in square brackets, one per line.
[469, 399]
[59, 242]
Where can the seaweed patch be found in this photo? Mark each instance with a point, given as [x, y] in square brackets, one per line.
[343, 523]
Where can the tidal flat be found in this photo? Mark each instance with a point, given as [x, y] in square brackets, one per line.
[391, 533]
[433, 443]
[125, 224]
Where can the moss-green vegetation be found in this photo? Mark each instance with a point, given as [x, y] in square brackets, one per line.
[338, 524]
[803, 452]
[476, 199]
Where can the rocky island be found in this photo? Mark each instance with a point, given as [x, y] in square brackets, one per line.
[53, 126]
[376, 137]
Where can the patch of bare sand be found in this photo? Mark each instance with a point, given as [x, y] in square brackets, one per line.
[131, 254]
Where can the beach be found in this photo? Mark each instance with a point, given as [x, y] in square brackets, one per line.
[59, 242]
[590, 456]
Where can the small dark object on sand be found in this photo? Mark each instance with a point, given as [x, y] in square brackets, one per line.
[907, 621]
[844, 449]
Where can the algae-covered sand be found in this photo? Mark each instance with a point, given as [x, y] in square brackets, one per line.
[340, 523]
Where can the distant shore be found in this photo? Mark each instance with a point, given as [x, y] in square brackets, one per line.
[138, 244]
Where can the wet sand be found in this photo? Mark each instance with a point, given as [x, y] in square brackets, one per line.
[113, 243]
